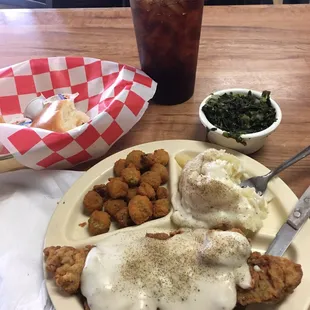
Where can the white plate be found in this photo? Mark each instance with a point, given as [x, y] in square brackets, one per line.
[64, 229]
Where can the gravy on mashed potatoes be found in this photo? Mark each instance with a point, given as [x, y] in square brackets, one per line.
[210, 196]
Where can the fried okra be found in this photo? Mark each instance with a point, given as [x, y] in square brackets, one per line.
[99, 223]
[102, 190]
[116, 178]
[147, 161]
[147, 190]
[112, 206]
[92, 202]
[134, 157]
[140, 209]
[161, 208]
[162, 171]
[132, 192]
[161, 157]
[122, 217]
[119, 166]
[131, 176]
[117, 188]
[162, 193]
[152, 178]
[136, 182]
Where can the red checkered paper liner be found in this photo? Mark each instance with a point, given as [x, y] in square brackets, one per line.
[115, 96]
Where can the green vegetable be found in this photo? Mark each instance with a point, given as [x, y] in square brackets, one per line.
[235, 136]
[238, 114]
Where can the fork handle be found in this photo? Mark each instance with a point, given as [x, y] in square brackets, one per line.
[304, 153]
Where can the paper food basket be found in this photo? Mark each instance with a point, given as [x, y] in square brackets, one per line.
[115, 96]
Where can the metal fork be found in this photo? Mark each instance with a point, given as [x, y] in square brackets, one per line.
[260, 183]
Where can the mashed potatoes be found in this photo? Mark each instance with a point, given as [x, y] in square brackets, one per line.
[210, 196]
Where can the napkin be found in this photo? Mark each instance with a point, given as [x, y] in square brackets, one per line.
[27, 201]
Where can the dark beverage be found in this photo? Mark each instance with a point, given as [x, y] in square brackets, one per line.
[168, 33]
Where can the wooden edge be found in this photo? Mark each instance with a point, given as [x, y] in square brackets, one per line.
[10, 165]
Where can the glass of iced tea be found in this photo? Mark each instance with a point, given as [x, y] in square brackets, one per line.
[168, 33]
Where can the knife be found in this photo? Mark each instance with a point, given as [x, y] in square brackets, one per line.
[289, 229]
[292, 226]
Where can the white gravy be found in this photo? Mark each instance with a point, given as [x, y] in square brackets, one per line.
[210, 196]
[194, 270]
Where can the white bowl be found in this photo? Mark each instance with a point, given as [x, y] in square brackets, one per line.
[253, 141]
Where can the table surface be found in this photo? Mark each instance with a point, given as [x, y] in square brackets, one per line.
[257, 47]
